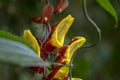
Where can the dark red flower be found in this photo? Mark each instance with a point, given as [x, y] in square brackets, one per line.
[46, 15]
[61, 5]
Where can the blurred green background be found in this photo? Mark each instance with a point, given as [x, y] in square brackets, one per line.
[101, 62]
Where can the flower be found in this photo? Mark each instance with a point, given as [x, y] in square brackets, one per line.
[66, 52]
[56, 38]
[32, 40]
[64, 57]
[46, 15]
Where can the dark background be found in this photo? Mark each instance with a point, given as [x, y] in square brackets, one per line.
[101, 62]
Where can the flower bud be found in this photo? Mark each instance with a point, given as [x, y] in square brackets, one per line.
[61, 5]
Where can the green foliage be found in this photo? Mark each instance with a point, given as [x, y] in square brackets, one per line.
[15, 50]
[109, 8]
[10, 36]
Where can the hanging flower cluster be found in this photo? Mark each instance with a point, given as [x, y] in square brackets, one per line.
[54, 40]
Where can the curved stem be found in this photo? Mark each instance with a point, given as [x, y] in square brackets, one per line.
[92, 22]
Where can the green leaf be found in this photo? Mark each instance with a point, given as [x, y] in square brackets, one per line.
[10, 36]
[109, 8]
[15, 50]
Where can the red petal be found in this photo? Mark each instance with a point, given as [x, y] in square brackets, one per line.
[36, 19]
[61, 55]
[48, 47]
[62, 50]
[59, 4]
[73, 40]
[47, 13]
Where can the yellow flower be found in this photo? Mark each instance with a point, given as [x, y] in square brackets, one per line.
[56, 39]
[32, 40]
[65, 55]
[66, 52]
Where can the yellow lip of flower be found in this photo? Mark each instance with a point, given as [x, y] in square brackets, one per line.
[60, 31]
[32, 40]
[71, 48]
[76, 43]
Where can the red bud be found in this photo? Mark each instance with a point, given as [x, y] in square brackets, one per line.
[47, 13]
[62, 5]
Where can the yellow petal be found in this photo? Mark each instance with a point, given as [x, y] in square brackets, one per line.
[60, 31]
[32, 40]
[76, 79]
[76, 43]
[61, 73]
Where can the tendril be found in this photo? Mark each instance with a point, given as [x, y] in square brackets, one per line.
[95, 26]
[93, 23]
